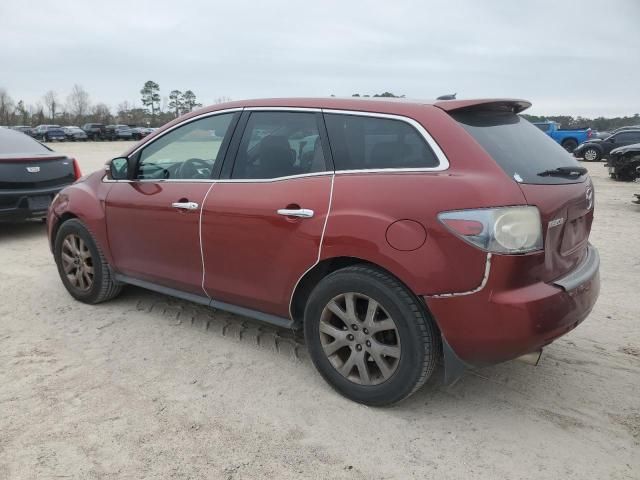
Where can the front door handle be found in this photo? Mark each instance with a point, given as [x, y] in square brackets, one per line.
[185, 205]
[296, 212]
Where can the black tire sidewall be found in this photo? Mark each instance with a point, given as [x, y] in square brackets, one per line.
[413, 348]
[566, 143]
[76, 227]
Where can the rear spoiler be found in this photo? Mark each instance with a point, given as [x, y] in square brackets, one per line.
[498, 104]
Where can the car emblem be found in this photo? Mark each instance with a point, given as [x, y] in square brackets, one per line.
[33, 169]
[555, 222]
[589, 196]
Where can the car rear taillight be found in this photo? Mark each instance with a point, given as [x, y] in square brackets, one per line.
[500, 230]
[76, 169]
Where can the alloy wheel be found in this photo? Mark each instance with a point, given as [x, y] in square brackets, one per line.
[360, 339]
[590, 155]
[77, 262]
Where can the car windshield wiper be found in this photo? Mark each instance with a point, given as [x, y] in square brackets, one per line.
[564, 172]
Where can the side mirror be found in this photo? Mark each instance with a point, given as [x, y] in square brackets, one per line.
[119, 168]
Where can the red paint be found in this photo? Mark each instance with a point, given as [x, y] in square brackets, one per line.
[254, 257]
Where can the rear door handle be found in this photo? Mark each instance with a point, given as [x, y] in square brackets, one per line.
[297, 212]
[185, 205]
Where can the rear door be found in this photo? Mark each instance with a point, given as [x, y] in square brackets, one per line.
[530, 158]
[153, 219]
[262, 226]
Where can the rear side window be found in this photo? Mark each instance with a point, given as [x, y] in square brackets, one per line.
[521, 149]
[360, 142]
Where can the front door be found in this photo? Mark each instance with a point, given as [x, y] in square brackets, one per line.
[153, 219]
[262, 228]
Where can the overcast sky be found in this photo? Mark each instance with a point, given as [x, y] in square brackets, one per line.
[567, 57]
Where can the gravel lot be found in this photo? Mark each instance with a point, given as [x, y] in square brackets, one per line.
[150, 387]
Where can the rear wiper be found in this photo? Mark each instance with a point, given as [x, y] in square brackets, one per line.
[564, 172]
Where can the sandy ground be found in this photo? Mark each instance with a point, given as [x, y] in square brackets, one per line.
[149, 387]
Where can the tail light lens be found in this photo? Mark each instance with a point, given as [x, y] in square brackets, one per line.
[500, 230]
[76, 169]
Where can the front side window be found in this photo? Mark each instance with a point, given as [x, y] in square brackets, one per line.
[627, 137]
[360, 142]
[279, 144]
[187, 153]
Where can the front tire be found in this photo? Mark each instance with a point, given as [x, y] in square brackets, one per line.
[83, 269]
[369, 337]
[591, 154]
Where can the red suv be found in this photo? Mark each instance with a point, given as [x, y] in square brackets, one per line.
[393, 233]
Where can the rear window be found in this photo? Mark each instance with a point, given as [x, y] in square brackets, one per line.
[13, 142]
[360, 142]
[521, 149]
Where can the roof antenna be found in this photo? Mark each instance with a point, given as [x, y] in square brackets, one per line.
[451, 96]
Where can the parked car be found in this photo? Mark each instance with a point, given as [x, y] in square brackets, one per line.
[623, 162]
[118, 132]
[23, 128]
[49, 133]
[94, 131]
[628, 127]
[597, 149]
[414, 230]
[75, 134]
[569, 138]
[139, 133]
[30, 175]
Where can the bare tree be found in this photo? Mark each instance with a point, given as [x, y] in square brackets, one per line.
[100, 113]
[51, 103]
[6, 107]
[222, 99]
[78, 102]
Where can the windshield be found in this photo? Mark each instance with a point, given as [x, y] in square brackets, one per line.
[521, 149]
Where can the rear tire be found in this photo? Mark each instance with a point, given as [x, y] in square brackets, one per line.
[379, 350]
[569, 145]
[83, 269]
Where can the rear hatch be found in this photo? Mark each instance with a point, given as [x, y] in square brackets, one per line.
[549, 177]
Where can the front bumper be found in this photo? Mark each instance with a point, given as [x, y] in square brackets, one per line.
[17, 205]
[497, 324]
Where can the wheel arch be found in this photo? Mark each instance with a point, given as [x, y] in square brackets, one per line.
[326, 266]
[60, 220]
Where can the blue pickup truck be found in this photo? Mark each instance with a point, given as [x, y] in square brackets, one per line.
[568, 138]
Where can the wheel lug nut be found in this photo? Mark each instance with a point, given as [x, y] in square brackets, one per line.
[350, 337]
[366, 332]
[368, 343]
[358, 347]
[354, 327]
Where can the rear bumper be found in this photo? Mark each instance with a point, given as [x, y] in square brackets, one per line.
[15, 205]
[496, 324]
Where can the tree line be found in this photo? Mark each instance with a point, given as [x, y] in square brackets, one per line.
[77, 108]
[156, 110]
[602, 124]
